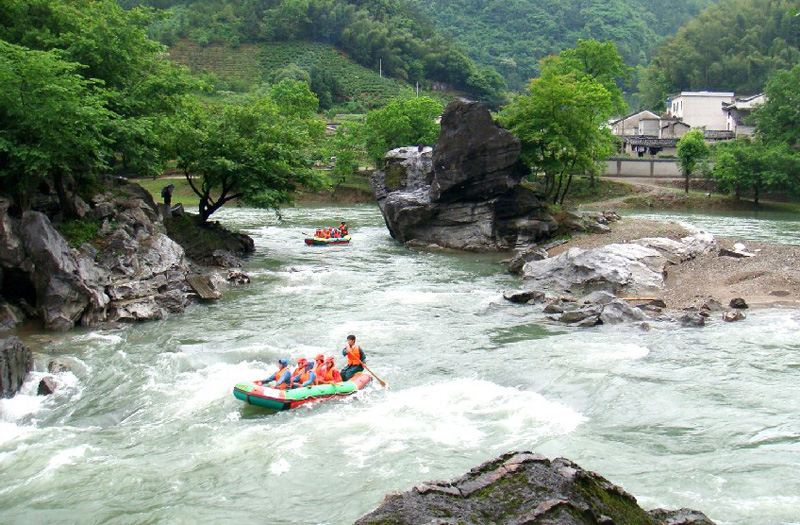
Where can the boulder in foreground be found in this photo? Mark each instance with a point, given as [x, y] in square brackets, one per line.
[523, 487]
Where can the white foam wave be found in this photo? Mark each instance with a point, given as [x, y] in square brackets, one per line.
[462, 413]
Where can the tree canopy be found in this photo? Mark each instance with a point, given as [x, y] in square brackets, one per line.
[512, 37]
[257, 148]
[560, 119]
[692, 150]
[401, 123]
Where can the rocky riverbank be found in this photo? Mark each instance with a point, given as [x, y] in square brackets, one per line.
[769, 278]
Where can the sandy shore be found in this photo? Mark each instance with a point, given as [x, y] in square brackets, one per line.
[770, 278]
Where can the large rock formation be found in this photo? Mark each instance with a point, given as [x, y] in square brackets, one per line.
[465, 193]
[133, 271]
[523, 488]
[16, 361]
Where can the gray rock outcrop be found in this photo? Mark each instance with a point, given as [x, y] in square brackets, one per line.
[16, 360]
[630, 269]
[465, 193]
[522, 487]
[134, 271]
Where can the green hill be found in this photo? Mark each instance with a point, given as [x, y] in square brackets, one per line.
[732, 46]
[246, 65]
[513, 36]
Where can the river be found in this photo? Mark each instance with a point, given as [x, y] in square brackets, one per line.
[145, 428]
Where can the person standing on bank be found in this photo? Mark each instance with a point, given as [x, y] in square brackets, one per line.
[166, 192]
[355, 358]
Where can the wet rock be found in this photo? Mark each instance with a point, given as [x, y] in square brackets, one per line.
[733, 315]
[531, 253]
[579, 315]
[16, 361]
[692, 319]
[516, 488]
[617, 311]
[238, 277]
[738, 303]
[47, 386]
[58, 366]
[524, 296]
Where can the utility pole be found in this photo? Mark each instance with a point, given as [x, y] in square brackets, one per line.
[417, 88]
[380, 67]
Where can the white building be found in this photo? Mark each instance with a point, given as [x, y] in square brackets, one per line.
[700, 109]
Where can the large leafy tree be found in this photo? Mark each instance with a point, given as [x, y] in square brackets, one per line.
[560, 122]
[778, 120]
[141, 86]
[401, 123]
[251, 148]
[52, 123]
[692, 150]
[745, 166]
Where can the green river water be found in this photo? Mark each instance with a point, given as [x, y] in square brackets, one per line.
[145, 428]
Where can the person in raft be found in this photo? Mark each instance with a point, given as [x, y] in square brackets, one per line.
[343, 229]
[319, 367]
[355, 358]
[304, 374]
[282, 377]
[331, 375]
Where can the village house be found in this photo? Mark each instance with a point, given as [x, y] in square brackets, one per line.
[629, 125]
[737, 112]
[700, 109]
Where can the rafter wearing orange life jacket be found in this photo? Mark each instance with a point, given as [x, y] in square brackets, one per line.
[282, 377]
[319, 369]
[331, 375]
[353, 354]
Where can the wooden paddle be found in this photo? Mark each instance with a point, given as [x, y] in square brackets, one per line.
[381, 381]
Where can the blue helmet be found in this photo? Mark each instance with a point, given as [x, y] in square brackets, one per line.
[283, 362]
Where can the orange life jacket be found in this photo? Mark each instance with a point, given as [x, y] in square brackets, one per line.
[319, 372]
[353, 355]
[331, 375]
[278, 375]
[302, 378]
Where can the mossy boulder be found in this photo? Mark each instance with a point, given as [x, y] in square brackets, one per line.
[523, 487]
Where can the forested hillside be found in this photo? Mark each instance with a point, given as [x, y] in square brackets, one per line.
[384, 35]
[735, 45]
[512, 36]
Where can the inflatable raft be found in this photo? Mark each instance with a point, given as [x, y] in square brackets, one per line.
[263, 396]
[327, 241]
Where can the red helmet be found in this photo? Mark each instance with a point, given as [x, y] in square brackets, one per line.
[302, 361]
[329, 359]
[319, 357]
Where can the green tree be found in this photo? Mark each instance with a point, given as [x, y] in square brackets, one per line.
[601, 62]
[249, 149]
[560, 123]
[347, 146]
[692, 150]
[745, 166]
[52, 123]
[778, 120]
[142, 87]
[401, 122]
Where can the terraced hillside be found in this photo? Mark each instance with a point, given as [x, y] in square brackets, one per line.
[242, 66]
